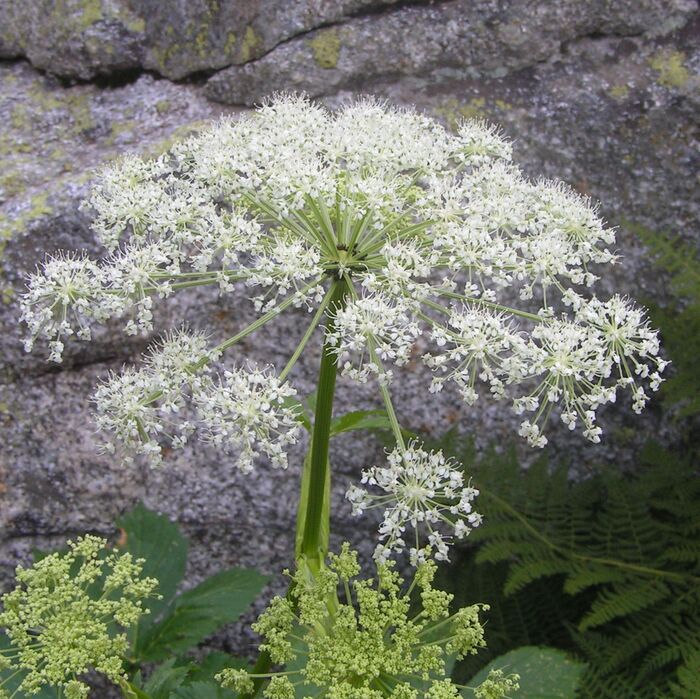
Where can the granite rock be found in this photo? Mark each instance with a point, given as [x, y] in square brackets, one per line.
[442, 42]
[76, 39]
[81, 39]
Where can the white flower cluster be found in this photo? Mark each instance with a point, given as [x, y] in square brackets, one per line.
[426, 229]
[373, 325]
[244, 411]
[423, 489]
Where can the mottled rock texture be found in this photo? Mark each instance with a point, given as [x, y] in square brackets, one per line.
[80, 39]
[604, 94]
[444, 41]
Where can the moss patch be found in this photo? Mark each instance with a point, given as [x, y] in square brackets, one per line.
[75, 16]
[37, 207]
[452, 111]
[619, 92]
[79, 106]
[137, 25]
[249, 45]
[163, 106]
[12, 184]
[670, 65]
[326, 48]
[90, 13]
[230, 43]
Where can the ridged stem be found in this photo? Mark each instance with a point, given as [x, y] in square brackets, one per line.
[313, 546]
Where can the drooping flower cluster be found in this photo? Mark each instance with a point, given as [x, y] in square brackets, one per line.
[68, 615]
[243, 410]
[368, 645]
[429, 229]
[421, 489]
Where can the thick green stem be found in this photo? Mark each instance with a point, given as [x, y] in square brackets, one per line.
[313, 546]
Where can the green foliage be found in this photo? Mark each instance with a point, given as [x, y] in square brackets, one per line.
[11, 682]
[680, 322]
[176, 622]
[183, 679]
[180, 622]
[195, 614]
[608, 568]
[158, 541]
[544, 673]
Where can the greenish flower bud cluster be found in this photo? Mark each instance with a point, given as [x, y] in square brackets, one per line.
[68, 614]
[496, 686]
[363, 639]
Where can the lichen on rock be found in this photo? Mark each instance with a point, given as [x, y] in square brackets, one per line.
[326, 47]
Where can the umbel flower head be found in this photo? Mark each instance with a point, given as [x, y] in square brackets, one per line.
[434, 237]
[423, 489]
[370, 645]
[68, 615]
[429, 228]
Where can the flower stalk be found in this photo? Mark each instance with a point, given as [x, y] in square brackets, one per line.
[314, 543]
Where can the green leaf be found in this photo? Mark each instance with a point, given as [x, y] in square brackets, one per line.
[213, 664]
[158, 541]
[165, 679]
[201, 682]
[131, 691]
[301, 690]
[200, 611]
[203, 690]
[361, 420]
[545, 673]
[302, 416]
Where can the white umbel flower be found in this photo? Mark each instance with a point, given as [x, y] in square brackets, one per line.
[60, 301]
[423, 490]
[244, 411]
[428, 230]
[378, 325]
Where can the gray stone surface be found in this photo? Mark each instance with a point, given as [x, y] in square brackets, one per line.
[442, 42]
[80, 39]
[72, 38]
[604, 95]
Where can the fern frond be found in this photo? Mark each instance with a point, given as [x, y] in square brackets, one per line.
[688, 679]
[582, 578]
[526, 572]
[678, 258]
[613, 561]
[623, 600]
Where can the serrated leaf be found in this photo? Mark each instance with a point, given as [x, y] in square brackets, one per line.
[165, 679]
[212, 665]
[203, 690]
[158, 541]
[200, 611]
[545, 673]
[361, 420]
